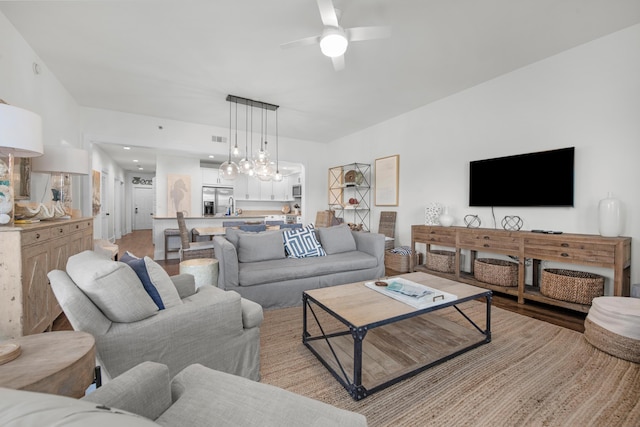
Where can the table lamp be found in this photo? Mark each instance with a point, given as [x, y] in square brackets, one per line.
[62, 162]
[20, 136]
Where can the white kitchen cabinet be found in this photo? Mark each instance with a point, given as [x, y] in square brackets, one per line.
[211, 176]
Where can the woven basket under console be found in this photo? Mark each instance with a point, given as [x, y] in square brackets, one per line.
[496, 271]
[400, 262]
[442, 261]
[573, 286]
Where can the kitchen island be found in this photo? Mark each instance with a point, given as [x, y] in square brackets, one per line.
[162, 223]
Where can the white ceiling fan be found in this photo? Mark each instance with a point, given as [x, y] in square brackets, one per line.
[334, 39]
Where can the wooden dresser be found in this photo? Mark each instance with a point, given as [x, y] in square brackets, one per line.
[580, 249]
[27, 253]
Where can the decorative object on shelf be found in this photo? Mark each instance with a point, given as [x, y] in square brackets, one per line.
[512, 223]
[353, 177]
[496, 271]
[446, 220]
[40, 211]
[353, 201]
[20, 136]
[387, 170]
[355, 227]
[610, 216]
[62, 162]
[578, 287]
[472, 221]
[261, 166]
[432, 214]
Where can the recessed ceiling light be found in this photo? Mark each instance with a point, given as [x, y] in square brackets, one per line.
[211, 156]
[140, 168]
[126, 148]
[135, 161]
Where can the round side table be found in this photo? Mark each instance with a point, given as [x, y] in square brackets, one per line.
[60, 363]
[204, 270]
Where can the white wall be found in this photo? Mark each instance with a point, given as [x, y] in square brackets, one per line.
[44, 95]
[587, 97]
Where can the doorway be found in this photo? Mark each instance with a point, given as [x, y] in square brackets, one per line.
[142, 208]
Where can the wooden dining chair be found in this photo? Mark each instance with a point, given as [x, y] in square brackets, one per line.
[189, 249]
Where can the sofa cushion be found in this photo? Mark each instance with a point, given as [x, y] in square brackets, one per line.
[336, 239]
[140, 268]
[302, 243]
[163, 283]
[232, 235]
[265, 246]
[112, 286]
[26, 408]
[256, 273]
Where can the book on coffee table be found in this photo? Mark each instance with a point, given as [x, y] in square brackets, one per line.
[411, 293]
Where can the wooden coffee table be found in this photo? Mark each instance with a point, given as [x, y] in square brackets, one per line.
[60, 363]
[369, 341]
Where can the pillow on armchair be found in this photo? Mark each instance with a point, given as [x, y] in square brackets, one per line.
[112, 286]
[155, 280]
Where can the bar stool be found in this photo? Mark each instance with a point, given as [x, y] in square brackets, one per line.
[168, 233]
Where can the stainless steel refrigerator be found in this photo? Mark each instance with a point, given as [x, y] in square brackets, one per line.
[215, 200]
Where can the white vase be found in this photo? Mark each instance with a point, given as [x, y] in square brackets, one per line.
[610, 216]
[446, 220]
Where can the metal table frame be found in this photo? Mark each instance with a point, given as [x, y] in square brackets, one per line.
[354, 386]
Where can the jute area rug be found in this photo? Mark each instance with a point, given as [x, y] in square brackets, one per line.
[531, 374]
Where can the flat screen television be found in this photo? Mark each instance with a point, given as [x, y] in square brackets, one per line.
[545, 178]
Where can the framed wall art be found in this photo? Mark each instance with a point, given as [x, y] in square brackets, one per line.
[387, 173]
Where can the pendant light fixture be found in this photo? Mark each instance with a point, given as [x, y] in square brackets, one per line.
[260, 166]
[277, 177]
[246, 163]
[263, 154]
[229, 170]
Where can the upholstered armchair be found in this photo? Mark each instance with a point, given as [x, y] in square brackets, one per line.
[197, 397]
[106, 298]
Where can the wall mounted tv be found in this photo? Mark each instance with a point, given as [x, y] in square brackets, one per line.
[544, 178]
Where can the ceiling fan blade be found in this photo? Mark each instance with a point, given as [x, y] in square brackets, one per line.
[367, 33]
[338, 62]
[328, 13]
[301, 42]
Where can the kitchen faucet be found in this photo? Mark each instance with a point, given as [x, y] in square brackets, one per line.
[232, 206]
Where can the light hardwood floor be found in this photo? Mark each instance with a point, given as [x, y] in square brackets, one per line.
[140, 244]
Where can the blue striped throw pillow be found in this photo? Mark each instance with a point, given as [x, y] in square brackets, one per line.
[302, 243]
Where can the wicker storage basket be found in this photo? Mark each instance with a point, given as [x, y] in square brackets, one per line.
[496, 271]
[442, 261]
[400, 262]
[569, 285]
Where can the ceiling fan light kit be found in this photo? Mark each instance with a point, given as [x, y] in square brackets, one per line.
[334, 39]
[333, 42]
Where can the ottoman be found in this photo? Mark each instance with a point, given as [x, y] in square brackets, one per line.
[613, 326]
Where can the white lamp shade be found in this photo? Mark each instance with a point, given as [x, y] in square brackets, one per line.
[20, 132]
[62, 160]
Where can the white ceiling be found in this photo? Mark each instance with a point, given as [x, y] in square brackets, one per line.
[178, 59]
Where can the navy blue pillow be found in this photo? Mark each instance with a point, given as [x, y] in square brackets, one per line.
[138, 265]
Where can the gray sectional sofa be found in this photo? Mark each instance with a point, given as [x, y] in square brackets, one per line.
[256, 266]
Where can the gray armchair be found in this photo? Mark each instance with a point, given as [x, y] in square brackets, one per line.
[197, 397]
[217, 329]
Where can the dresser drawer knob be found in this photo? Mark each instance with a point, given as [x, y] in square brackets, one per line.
[564, 254]
[37, 235]
[486, 237]
[486, 245]
[565, 245]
